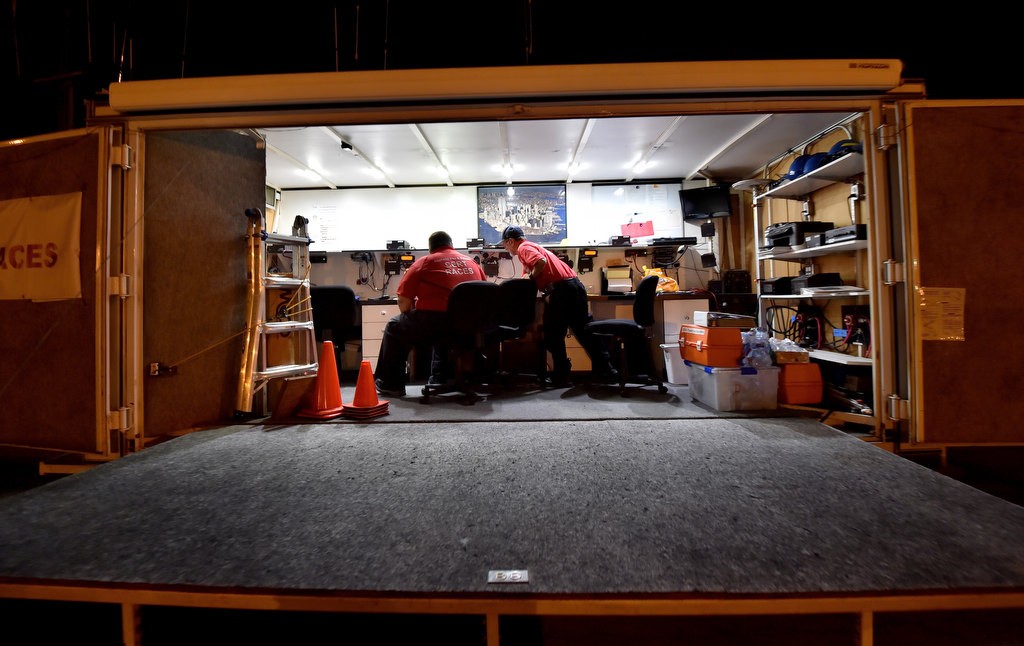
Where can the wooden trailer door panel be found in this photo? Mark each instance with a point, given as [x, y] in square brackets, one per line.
[197, 186]
[56, 352]
[965, 270]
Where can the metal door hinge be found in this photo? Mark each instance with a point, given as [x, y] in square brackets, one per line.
[119, 286]
[119, 420]
[122, 156]
[892, 272]
[885, 136]
[898, 409]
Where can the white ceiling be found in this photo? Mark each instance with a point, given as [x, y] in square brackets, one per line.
[723, 148]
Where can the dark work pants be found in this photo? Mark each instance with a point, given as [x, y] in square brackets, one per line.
[566, 309]
[401, 334]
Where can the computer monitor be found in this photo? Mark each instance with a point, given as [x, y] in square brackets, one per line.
[705, 202]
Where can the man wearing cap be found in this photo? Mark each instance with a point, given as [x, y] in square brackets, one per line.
[565, 306]
[422, 304]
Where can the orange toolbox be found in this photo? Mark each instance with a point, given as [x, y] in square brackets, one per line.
[718, 347]
[800, 383]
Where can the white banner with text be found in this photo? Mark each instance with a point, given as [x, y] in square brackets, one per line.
[40, 247]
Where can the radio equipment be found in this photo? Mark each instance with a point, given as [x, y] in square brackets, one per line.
[777, 286]
[849, 232]
[790, 234]
[827, 279]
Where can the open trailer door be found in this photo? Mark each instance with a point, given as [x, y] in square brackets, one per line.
[964, 270]
[197, 187]
[59, 281]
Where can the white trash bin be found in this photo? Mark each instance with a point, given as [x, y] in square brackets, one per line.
[678, 374]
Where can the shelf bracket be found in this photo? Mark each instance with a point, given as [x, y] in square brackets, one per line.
[856, 194]
[808, 211]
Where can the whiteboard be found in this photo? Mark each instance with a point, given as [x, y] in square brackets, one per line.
[367, 218]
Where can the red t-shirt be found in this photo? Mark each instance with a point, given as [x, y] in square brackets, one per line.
[530, 252]
[430, 279]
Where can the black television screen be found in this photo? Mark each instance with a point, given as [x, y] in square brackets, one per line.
[706, 202]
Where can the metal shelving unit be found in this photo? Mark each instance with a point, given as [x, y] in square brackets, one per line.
[797, 255]
[838, 170]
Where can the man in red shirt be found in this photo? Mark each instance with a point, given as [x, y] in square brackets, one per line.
[565, 307]
[422, 304]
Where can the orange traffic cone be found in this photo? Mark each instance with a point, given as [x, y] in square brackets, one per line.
[365, 403]
[326, 395]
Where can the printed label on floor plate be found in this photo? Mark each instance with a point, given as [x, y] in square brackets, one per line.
[508, 576]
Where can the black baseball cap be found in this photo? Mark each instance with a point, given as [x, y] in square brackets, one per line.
[513, 232]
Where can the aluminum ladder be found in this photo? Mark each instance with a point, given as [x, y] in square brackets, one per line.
[283, 343]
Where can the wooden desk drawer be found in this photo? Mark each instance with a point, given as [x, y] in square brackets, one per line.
[375, 329]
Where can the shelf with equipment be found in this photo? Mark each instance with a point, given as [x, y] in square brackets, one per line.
[826, 355]
[839, 170]
[804, 297]
[798, 255]
[840, 357]
[831, 318]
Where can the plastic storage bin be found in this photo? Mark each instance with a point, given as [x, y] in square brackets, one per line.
[728, 389]
[800, 383]
[676, 370]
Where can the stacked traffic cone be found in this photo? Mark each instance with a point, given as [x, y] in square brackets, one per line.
[325, 398]
[364, 403]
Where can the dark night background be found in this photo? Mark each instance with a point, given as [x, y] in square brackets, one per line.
[58, 53]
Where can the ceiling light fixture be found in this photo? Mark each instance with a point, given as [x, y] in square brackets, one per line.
[442, 170]
[304, 168]
[574, 163]
[645, 160]
[346, 145]
[506, 167]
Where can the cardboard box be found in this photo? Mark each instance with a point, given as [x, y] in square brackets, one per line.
[718, 347]
[727, 389]
[801, 383]
[792, 356]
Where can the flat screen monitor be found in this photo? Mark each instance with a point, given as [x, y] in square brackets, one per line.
[706, 202]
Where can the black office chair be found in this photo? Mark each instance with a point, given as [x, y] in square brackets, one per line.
[473, 308]
[633, 339]
[517, 318]
[334, 316]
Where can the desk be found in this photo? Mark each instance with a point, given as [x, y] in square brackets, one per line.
[671, 310]
[375, 314]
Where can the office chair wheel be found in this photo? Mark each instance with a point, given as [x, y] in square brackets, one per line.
[662, 388]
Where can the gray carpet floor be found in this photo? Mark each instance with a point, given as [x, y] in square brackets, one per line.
[702, 506]
[523, 400]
